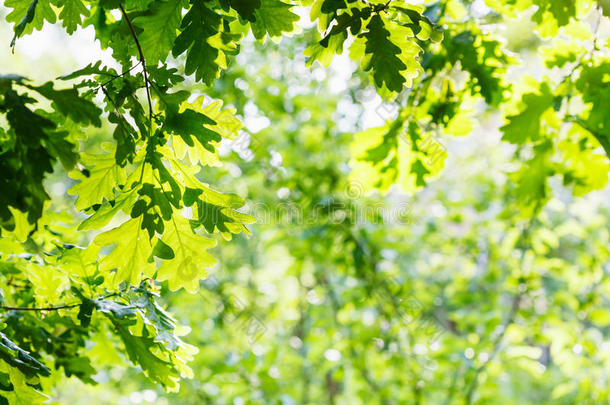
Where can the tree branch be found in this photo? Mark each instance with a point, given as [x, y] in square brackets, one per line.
[56, 308]
[142, 61]
[40, 309]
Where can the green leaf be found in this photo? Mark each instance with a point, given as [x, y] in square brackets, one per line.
[63, 149]
[27, 160]
[101, 177]
[125, 137]
[159, 29]
[273, 18]
[28, 18]
[189, 265]
[29, 15]
[21, 359]
[595, 90]
[215, 218]
[85, 311]
[526, 125]
[382, 56]
[91, 69]
[420, 171]
[104, 214]
[484, 62]
[72, 13]
[163, 322]
[190, 196]
[332, 43]
[246, 8]
[191, 123]
[117, 310]
[80, 367]
[163, 251]
[141, 348]
[605, 6]
[17, 391]
[69, 103]
[204, 43]
[331, 6]
[129, 258]
[532, 178]
[325, 54]
[154, 206]
[561, 10]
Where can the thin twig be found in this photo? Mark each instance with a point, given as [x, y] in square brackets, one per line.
[114, 77]
[135, 37]
[384, 6]
[55, 308]
[40, 309]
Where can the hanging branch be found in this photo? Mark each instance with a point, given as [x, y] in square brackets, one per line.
[142, 61]
[146, 84]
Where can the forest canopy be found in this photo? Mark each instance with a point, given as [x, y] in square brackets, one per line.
[304, 202]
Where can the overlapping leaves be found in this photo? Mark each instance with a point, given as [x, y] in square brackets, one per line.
[153, 190]
[36, 140]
